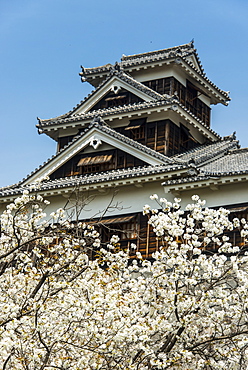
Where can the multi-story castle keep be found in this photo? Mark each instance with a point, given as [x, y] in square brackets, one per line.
[145, 128]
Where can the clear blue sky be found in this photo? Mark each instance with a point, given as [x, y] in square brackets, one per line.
[44, 42]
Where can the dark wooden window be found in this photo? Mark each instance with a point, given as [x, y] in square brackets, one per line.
[138, 133]
[63, 141]
[130, 229]
[151, 134]
[97, 163]
[135, 229]
[188, 96]
[100, 162]
[191, 97]
[136, 128]
[237, 212]
[179, 139]
[203, 111]
[147, 243]
[163, 136]
[126, 227]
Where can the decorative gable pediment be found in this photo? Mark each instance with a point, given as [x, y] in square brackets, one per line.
[115, 98]
[117, 90]
[98, 145]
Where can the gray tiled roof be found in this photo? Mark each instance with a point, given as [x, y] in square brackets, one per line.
[222, 92]
[138, 85]
[97, 178]
[183, 180]
[215, 160]
[122, 76]
[208, 152]
[105, 112]
[136, 59]
[235, 161]
[167, 100]
[132, 142]
[182, 51]
[231, 162]
[178, 53]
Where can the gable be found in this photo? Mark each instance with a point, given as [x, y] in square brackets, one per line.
[102, 161]
[115, 99]
[98, 141]
[114, 89]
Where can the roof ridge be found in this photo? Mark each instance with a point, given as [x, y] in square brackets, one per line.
[100, 177]
[181, 51]
[119, 74]
[200, 147]
[238, 150]
[84, 99]
[225, 173]
[160, 51]
[213, 158]
[203, 75]
[140, 85]
[124, 59]
[105, 111]
[196, 118]
[203, 176]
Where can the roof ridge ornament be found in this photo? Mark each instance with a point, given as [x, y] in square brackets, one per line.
[192, 162]
[231, 137]
[98, 119]
[115, 68]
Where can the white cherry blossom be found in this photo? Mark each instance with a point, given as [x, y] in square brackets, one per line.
[186, 308]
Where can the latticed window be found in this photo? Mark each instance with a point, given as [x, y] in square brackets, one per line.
[188, 96]
[138, 133]
[126, 227]
[63, 141]
[136, 128]
[237, 212]
[96, 164]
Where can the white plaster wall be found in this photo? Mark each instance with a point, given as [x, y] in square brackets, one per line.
[205, 99]
[159, 72]
[131, 199]
[118, 200]
[63, 132]
[123, 200]
[229, 194]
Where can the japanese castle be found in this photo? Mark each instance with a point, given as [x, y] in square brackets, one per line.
[144, 129]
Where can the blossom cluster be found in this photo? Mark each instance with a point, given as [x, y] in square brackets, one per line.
[184, 309]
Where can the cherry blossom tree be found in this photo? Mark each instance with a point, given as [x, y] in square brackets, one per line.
[187, 308]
